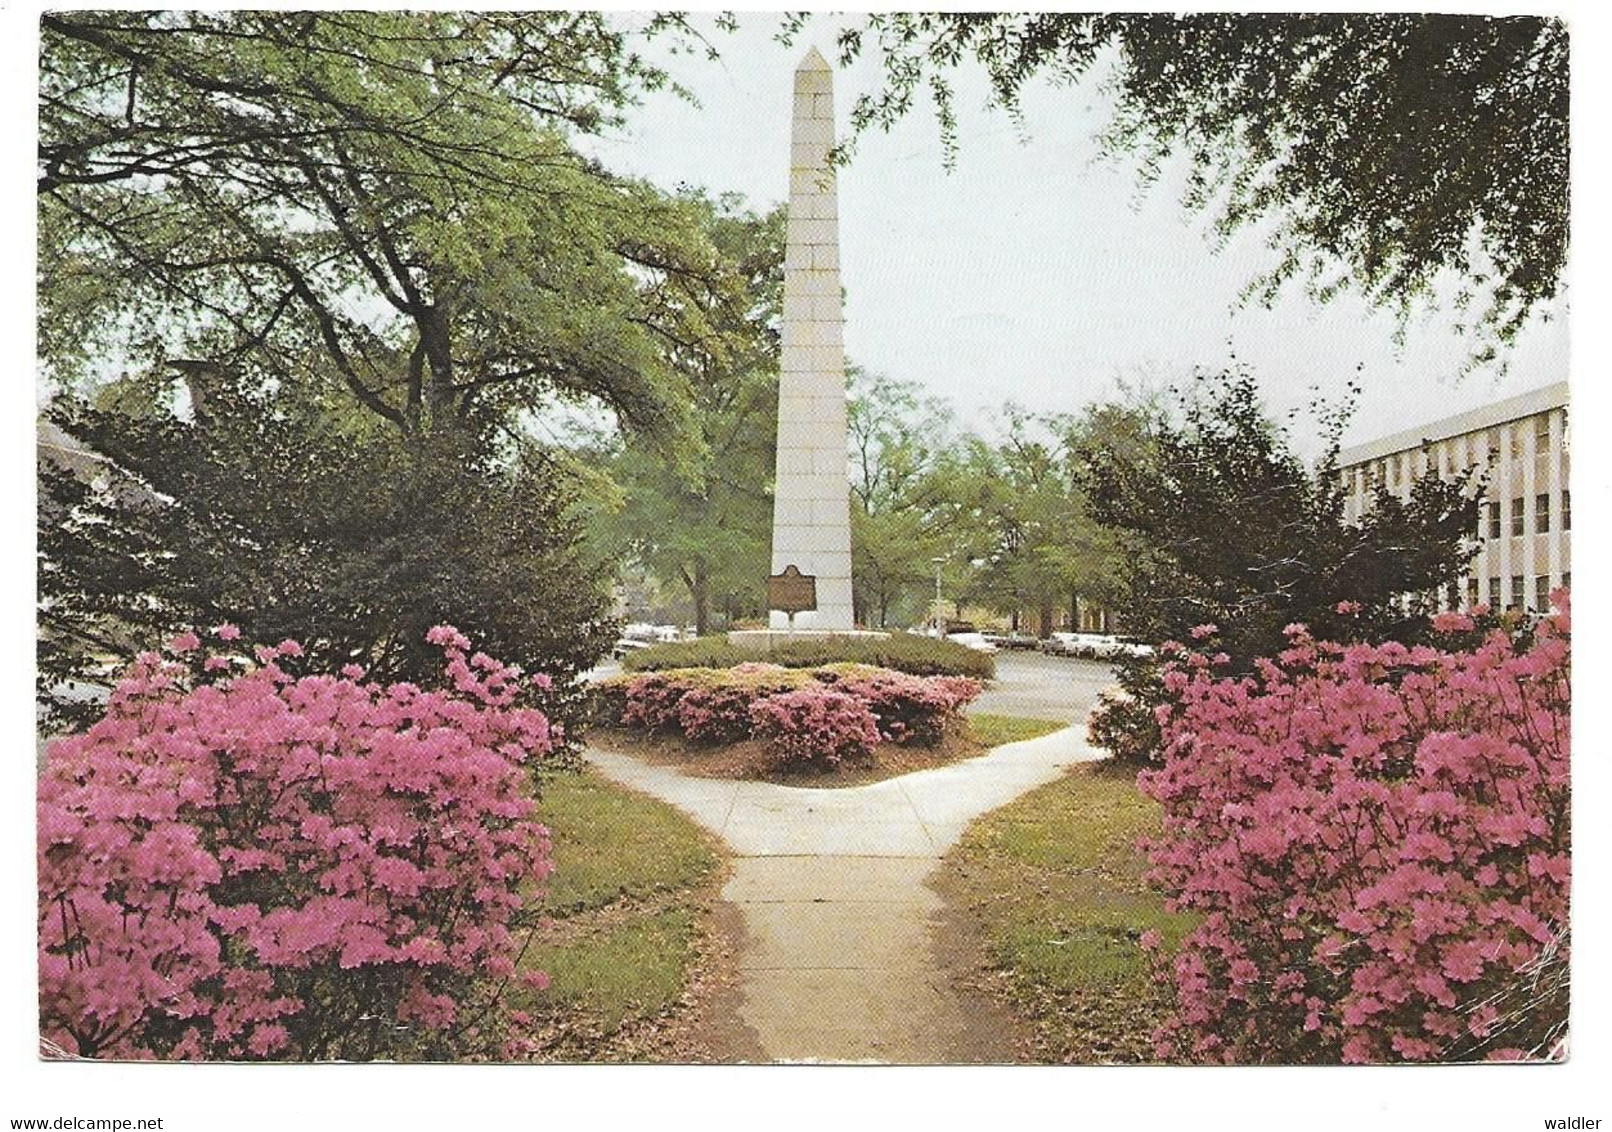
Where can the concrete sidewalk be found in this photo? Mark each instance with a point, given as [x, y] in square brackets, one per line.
[837, 961]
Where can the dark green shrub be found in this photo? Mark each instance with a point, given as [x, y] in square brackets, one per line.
[904, 652]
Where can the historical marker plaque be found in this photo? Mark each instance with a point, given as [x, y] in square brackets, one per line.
[792, 592]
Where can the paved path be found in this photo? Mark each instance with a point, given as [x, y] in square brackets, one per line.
[836, 962]
[1044, 687]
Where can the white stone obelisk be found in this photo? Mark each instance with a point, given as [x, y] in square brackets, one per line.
[811, 517]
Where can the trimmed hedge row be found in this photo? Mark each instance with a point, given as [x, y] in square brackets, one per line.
[826, 714]
[904, 652]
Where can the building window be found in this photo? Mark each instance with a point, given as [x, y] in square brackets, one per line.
[1517, 516]
[1516, 592]
[1494, 519]
[1542, 593]
[1542, 433]
[1494, 594]
[1542, 514]
[1471, 592]
[1567, 510]
[1567, 580]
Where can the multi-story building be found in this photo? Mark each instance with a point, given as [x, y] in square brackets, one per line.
[1522, 444]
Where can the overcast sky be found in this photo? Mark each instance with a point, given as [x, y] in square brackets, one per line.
[1034, 270]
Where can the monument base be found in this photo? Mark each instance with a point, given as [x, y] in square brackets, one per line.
[765, 640]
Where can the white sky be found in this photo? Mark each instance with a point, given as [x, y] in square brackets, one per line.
[1034, 271]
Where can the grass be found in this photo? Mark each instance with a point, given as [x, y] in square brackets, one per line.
[1052, 884]
[633, 879]
[612, 844]
[991, 730]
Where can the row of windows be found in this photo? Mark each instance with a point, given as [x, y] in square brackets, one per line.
[1513, 596]
[1387, 472]
[1518, 515]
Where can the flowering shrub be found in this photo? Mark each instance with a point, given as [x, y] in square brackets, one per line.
[1377, 839]
[815, 725]
[912, 710]
[236, 862]
[714, 704]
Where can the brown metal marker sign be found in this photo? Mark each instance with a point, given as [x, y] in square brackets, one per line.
[792, 592]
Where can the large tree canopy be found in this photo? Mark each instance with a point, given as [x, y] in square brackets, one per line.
[1388, 148]
[389, 200]
[705, 528]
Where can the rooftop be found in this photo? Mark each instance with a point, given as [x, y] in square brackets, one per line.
[1485, 416]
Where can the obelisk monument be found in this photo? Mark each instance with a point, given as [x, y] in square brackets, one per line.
[811, 516]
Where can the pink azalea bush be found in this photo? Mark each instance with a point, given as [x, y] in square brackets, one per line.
[911, 710]
[816, 725]
[1376, 837]
[237, 862]
[714, 705]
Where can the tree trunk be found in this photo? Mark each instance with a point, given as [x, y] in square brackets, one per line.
[1074, 612]
[702, 600]
[1046, 618]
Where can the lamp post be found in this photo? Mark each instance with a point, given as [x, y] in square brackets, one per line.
[939, 562]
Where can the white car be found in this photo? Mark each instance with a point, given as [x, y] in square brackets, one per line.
[975, 641]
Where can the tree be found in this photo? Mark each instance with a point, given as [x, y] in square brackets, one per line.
[898, 440]
[387, 200]
[1389, 148]
[705, 524]
[1226, 527]
[1231, 528]
[366, 244]
[287, 521]
[1036, 543]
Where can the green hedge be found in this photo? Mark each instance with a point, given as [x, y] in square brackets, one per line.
[905, 652]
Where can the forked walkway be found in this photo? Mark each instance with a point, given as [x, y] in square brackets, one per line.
[837, 960]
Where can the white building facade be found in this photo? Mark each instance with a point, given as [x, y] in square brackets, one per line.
[1524, 527]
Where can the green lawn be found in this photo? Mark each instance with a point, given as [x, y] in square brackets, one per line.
[1053, 886]
[631, 883]
[994, 730]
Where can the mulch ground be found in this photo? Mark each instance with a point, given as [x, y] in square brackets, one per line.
[753, 761]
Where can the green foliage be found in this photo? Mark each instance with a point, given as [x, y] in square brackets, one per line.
[353, 540]
[898, 440]
[1034, 541]
[383, 203]
[904, 652]
[703, 524]
[364, 249]
[1228, 527]
[1388, 148]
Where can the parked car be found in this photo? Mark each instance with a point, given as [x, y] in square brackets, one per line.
[974, 641]
[1133, 646]
[1013, 640]
[625, 645]
[1091, 646]
[1059, 644]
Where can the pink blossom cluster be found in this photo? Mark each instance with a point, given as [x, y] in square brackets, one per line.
[706, 705]
[816, 725]
[1376, 839]
[911, 710]
[715, 704]
[236, 862]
